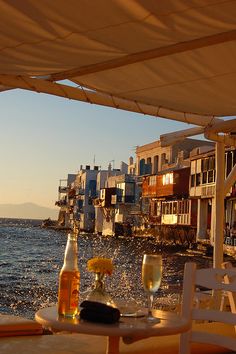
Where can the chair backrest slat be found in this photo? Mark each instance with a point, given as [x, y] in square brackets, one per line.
[214, 315]
[213, 278]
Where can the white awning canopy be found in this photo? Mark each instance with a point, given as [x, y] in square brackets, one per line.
[174, 59]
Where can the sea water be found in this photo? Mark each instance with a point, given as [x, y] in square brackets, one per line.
[31, 258]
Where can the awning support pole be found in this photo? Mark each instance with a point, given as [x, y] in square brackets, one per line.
[219, 205]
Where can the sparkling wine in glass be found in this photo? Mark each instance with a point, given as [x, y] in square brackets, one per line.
[151, 279]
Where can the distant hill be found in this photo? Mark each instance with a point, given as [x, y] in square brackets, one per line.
[27, 211]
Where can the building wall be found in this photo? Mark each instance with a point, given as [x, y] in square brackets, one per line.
[101, 180]
[148, 153]
[202, 187]
[160, 157]
[87, 214]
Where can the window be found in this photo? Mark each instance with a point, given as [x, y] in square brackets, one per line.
[167, 179]
[163, 208]
[120, 192]
[156, 162]
[198, 166]
[192, 180]
[163, 158]
[92, 188]
[204, 177]
[148, 168]
[193, 167]
[198, 179]
[211, 176]
[211, 163]
[142, 167]
[174, 207]
[184, 207]
[152, 180]
[167, 208]
[205, 164]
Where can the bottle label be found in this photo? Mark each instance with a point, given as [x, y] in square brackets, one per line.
[68, 297]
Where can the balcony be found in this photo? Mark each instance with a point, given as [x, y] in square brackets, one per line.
[208, 191]
[62, 189]
[80, 191]
[61, 203]
[127, 199]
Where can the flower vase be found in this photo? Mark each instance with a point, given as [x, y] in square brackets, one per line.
[98, 292]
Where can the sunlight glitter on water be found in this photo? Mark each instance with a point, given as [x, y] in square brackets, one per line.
[31, 259]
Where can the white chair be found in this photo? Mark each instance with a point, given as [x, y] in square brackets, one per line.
[223, 280]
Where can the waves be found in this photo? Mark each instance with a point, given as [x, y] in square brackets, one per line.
[31, 258]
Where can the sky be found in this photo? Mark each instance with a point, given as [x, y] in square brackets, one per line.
[43, 138]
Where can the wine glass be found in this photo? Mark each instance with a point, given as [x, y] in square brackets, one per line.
[151, 279]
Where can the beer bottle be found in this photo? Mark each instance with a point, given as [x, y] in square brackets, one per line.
[68, 294]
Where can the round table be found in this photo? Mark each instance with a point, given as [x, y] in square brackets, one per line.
[130, 328]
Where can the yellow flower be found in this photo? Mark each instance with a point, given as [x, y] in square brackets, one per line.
[100, 265]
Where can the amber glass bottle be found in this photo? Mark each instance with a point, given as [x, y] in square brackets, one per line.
[69, 279]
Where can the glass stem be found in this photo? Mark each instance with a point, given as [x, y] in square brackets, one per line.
[150, 302]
